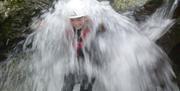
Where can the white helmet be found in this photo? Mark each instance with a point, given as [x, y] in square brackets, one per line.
[76, 8]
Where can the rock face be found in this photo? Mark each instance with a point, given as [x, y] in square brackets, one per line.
[15, 17]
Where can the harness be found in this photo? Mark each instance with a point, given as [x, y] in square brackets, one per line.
[81, 37]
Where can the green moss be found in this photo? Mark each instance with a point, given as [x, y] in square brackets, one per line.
[121, 5]
[15, 16]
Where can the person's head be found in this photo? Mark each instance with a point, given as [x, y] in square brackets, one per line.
[77, 13]
[78, 22]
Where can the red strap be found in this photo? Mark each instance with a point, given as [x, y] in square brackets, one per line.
[85, 33]
[79, 44]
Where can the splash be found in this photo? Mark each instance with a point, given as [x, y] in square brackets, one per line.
[123, 58]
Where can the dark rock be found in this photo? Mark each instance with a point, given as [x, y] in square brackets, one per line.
[16, 23]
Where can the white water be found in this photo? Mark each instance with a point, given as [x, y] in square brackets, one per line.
[129, 59]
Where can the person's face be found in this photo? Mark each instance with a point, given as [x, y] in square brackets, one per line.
[77, 23]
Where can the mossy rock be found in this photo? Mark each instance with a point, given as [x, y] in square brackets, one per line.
[123, 5]
[15, 17]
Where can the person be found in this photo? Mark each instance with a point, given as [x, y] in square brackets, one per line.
[80, 24]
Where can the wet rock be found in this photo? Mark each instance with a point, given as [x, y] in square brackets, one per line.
[15, 18]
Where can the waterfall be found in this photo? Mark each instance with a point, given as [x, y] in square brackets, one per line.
[124, 57]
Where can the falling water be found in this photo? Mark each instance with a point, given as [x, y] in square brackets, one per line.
[123, 58]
